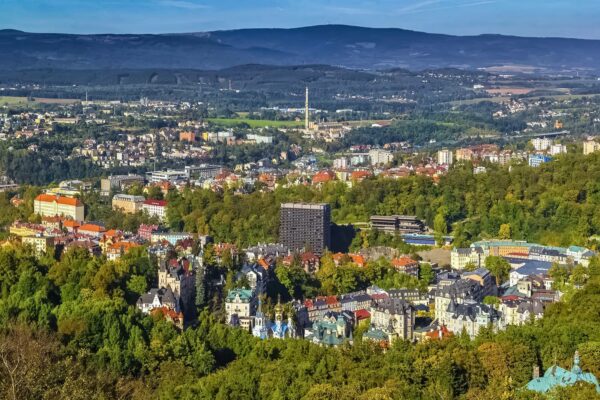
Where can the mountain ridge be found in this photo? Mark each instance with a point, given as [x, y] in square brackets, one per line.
[339, 45]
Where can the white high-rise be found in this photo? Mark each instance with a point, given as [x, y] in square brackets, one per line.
[445, 157]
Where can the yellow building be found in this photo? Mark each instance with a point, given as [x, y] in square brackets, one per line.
[127, 203]
[49, 205]
[40, 244]
[22, 230]
[590, 146]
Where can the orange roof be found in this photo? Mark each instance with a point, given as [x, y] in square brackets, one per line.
[263, 263]
[69, 223]
[112, 232]
[167, 312]
[123, 246]
[358, 175]
[323, 176]
[439, 333]
[50, 198]
[92, 228]
[358, 259]
[403, 262]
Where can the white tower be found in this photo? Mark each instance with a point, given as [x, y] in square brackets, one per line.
[306, 123]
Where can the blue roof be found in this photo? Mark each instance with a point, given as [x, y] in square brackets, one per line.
[530, 267]
[556, 376]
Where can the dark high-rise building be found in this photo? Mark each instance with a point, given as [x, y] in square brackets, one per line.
[305, 227]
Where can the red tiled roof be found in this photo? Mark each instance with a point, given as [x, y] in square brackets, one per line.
[362, 314]
[158, 203]
[379, 296]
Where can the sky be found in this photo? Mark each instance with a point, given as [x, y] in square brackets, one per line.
[558, 18]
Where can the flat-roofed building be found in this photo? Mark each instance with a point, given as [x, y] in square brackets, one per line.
[155, 208]
[127, 203]
[397, 223]
[119, 182]
[306, 227]
[40, 244]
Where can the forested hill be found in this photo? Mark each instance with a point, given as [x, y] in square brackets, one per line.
[347, 46]
[69, 329]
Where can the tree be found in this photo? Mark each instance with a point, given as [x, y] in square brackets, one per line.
[426, 274]
[498, 267]
[558, 273]
[470, 266]
[504, 232]
[491, 301]
[440, 226]
[200, 284]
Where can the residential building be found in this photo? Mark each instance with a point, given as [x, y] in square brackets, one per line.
[49, 205]
[445, 157]
[119, 183]
[460, 257]
[459, 292]
[470, 317]
[590, 146]
[179, 276]
[485, 279]
[40, 244]
[127, 203]
[187, 136]
[156, 298]
[305, 227]
[395, 317]
[174, 237]
[174, 317]
[380, 157]
[535, 160]
[406, 265]
[332, 330]
[355, 301]
[541, 144]
[239, 307]
[91, 230]
[256, 276]
[557, 149]
[145, 231]
[413, 296]
[155, 208]
[464, 154]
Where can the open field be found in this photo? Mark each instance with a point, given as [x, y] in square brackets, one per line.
[502, 99]
[255, 123]
[13, 100]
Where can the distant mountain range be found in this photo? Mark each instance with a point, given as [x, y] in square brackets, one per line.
[337, 45]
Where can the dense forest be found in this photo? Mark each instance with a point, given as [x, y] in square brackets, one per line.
[69, 330]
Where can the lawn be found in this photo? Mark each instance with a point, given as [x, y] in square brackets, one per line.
[14, 100]
[255, 123]
[11, 101]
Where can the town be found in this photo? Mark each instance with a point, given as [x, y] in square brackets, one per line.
[303, 232]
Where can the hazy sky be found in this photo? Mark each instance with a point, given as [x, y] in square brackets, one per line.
[569, 18]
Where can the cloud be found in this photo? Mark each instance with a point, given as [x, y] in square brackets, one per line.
[436, 5]
[187, 5]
